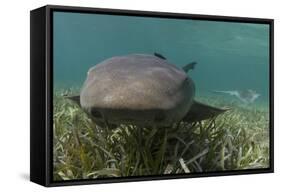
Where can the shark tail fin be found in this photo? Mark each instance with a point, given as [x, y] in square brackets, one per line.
[200, 111]
[189, 66]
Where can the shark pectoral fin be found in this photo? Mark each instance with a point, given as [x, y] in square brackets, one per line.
[189, 66]
[200, 111]
[75, 99]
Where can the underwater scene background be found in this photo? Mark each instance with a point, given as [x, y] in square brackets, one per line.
[230, 56]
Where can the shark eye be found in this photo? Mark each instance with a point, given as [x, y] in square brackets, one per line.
[159, 117]
[95, 113]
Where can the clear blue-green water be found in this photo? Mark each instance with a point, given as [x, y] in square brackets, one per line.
[230, 56]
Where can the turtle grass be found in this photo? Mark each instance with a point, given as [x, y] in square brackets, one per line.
[237, 139]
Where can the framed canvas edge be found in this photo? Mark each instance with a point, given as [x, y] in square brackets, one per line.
[49, 91]
[38, 155]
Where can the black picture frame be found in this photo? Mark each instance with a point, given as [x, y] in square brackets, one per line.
[41, 91]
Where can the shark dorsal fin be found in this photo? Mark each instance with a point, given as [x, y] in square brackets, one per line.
[159, 56]
[189, 66]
